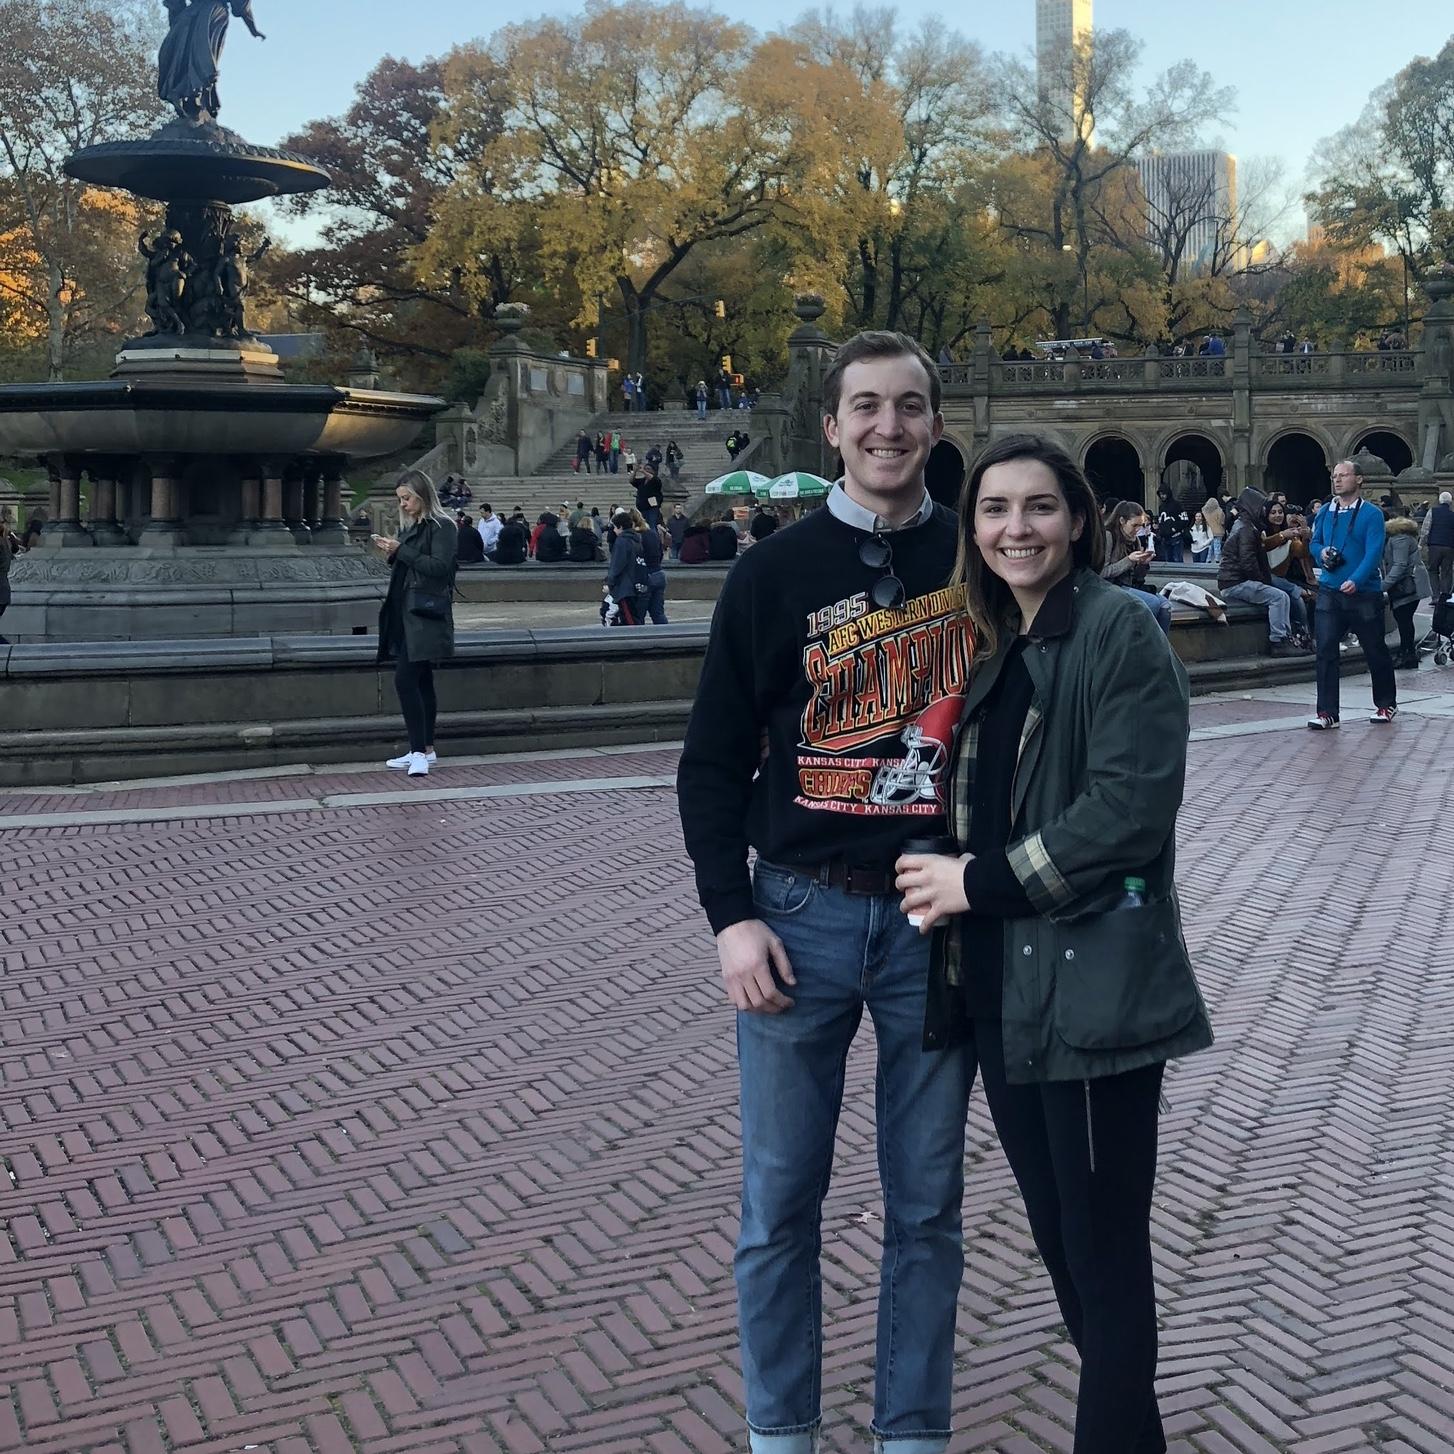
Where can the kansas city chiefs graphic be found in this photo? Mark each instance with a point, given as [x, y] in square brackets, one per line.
[887, 689]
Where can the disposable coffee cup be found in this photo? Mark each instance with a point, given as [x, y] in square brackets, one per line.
[943, 843]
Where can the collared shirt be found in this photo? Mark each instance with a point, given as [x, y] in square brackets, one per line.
[860, 517]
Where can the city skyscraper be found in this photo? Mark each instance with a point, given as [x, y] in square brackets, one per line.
[1061, 27]
[1191, 204]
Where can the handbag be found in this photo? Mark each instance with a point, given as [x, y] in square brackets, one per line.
[431, 605]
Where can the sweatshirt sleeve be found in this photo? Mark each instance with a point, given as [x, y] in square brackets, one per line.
[1365, 569]
[720, 759]
[993, 890]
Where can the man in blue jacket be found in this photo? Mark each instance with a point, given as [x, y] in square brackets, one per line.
[1347, 549]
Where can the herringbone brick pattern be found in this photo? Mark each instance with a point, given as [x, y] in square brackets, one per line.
[412, 1128]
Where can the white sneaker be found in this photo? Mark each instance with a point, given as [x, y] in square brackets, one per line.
[431, 757]
[418, 765]
[398, 764]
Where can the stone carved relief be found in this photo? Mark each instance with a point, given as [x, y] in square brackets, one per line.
[34, 569]
[494, 421]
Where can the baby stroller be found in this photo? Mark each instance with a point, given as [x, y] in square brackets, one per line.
[1441, 639]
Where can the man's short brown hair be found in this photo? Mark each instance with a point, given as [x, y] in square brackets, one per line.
[877, 343]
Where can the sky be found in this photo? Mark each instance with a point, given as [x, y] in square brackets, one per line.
[1301, 68]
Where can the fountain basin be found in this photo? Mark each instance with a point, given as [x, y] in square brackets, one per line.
[173, 416]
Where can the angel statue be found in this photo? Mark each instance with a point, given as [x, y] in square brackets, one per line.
[187, 65]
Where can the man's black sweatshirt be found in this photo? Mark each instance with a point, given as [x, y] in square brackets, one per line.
[858, 706]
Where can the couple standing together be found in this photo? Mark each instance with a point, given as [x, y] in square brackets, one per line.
[880, 672]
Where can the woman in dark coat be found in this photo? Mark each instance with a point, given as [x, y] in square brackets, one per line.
[416, 621]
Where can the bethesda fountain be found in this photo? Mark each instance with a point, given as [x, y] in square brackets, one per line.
[216, 490]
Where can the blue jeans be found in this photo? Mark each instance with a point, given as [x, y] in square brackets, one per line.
[848, 952]
[1279, 606]
[1298, 611]
[656, 598]
[701, 408]
[1361, 613]
[724, 397]
[1159, 606]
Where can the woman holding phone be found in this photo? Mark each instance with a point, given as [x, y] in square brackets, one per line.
[1058, 952]
[416, 621]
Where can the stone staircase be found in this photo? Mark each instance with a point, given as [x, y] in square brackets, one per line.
[554, 482]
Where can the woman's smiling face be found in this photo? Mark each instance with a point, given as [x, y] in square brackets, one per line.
[1023, 527]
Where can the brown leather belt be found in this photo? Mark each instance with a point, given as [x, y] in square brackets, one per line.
[856, 878]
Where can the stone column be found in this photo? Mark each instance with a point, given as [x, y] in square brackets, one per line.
[293, 504]
[104, 529]
[250, 498]
[270, 529]
[65, 528]
[163, 530]
[332, 527]
[1239, 465]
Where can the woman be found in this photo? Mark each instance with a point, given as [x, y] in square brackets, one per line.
[701, 396]
[1201, 540]
[10, 547]
[1128, 559]
[583, 542]
[674, 458]
[1063, 794]
[1216, 519]
[653, 549]
[1285, 539]
[416, 621]
[1407, 583]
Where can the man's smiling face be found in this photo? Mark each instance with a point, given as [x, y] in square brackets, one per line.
[884, 429]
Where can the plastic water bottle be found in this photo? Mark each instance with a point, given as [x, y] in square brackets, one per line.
[1135, 896]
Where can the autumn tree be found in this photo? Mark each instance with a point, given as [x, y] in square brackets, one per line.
[389, 171]
[627, 142]
[72, 73]
[1389, 177]
[1088, 126]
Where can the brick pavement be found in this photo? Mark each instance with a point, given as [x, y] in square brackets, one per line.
[311, 1147]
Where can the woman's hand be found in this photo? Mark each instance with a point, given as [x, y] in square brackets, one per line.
[387, 544]
[932, 885]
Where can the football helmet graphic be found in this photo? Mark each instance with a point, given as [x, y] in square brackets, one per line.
[918, 776]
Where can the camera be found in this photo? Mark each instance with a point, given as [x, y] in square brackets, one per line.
[1333, 558]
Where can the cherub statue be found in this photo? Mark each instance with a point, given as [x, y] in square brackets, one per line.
[232, 285]
[168, 266]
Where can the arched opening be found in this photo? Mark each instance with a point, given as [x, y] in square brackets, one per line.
[1388, 446]
[1192, 470]
[1297, 466]
[1114, 470]
[944, 473]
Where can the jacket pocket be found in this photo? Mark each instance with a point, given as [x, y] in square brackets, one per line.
[1123, 979]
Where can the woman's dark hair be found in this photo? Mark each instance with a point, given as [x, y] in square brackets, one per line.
[1275, 504]
[1116, 545]
[987, 597]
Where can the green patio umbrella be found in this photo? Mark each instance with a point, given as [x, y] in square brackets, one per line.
[737, 482]
[795, 485]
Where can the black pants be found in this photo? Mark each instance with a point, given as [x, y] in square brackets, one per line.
[1092, 1227]
[414, 682]
[1403, 616]
[1362, 614]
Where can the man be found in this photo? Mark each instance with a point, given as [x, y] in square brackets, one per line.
[724, 389]
[640, 393]
[1347, 551]
[489, 527]
[1436, 535]
[648, 495]
[723, 538]
[677, 528]
[583, 452]
[654, 457]
[1243, 574]
[816, 738]
[732, 445]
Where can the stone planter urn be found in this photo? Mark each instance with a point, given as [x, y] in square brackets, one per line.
[510, 317]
